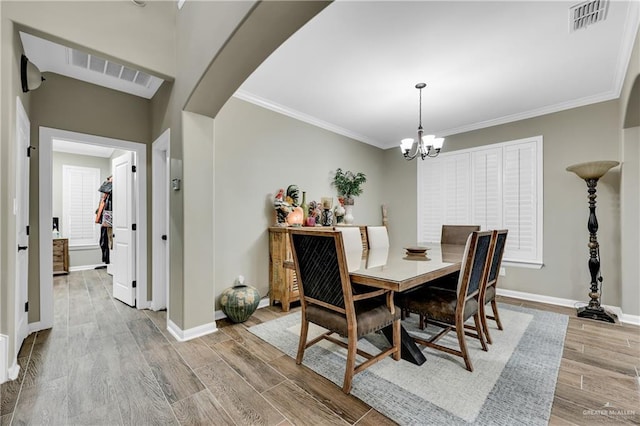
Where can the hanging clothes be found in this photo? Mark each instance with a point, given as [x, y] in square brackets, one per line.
[104, 216]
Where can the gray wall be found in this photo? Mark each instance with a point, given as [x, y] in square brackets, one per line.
[573, 136]
[84, 256]
[258, 151]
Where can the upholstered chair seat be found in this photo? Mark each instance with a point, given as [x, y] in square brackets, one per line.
[370, 317]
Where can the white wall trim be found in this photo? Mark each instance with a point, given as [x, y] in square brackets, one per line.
[289, 112]
[160, 182]
[45, 213]
[84, 267]
[4, 355]
[36, 326]
[625, 318]
[13, 371]
[192, 333]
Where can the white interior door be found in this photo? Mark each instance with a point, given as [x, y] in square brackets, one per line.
[124, 252]
[21, 210]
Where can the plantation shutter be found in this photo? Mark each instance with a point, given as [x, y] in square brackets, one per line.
[520, 201]
[487, 188]
[496, 186]
[80, 199]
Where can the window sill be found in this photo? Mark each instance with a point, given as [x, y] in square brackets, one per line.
[522, 264]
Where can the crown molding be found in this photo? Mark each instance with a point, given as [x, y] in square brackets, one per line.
[281, 109]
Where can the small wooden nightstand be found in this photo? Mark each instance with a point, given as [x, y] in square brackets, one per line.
[60, 256]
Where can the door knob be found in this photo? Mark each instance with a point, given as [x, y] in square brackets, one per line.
[22, 247]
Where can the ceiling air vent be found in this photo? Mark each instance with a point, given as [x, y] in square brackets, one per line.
[584, 14]
[96, 64]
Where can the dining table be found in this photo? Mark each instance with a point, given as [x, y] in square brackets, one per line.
[395, 268]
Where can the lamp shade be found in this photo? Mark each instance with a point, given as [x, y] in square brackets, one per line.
[406, 144]
[30, 75]
[592, 169]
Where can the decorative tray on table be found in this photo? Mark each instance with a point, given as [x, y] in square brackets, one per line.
[416, 253]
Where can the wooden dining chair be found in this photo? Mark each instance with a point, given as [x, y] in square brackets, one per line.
[457, 234]
[378, 237]
[449, 310]
[327, 299]
[492, 284]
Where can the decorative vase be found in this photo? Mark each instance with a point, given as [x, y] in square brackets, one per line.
[240, 301]
[348, 207]
[305, 207]
[327, 217]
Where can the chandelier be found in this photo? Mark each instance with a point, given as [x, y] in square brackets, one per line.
[426, 146]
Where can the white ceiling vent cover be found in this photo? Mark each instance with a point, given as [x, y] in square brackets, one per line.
[102, 66]
[584, 14]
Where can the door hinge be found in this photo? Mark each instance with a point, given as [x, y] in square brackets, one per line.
[133, 169]
[29, 148]
[26, 306]
[134, 227]
[133, 284]
[27, 229]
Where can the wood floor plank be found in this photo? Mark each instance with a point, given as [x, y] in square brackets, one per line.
[201, 409]
[289, 399]
[374, 418]
[10, 390]
[174, 376]
[605, 364]
[88, 385]
[159, 319]
[253, 343]
[106, 415]
[196, 353]
[233, 392]
[5, 420]
[43, 404]
[586, 407]
[255, 371]
[348, 407]
[139, 396]
[147, 334]
[213, 339]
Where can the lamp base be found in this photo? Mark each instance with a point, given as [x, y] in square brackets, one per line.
[599, 314]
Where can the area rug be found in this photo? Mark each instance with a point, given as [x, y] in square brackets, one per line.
[513, 383]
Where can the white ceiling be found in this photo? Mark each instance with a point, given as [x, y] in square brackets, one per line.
[353, 68]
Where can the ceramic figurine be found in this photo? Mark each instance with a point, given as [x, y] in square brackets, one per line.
[293, 195]
[282, 208]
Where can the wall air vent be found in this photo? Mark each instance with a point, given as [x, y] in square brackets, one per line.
[96, 64]
[587, 13]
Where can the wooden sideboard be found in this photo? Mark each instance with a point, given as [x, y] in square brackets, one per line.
[283, 283]
[60, 256]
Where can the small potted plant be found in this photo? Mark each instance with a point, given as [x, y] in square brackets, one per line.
[349, 185]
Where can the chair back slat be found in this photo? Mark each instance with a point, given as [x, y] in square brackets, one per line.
[318, 266]
[496, 261]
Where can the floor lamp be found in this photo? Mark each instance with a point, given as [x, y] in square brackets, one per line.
[591, 172]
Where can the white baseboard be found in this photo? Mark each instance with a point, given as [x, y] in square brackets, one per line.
[84, 267]
[4, 355]
[36, 326]
[218, 315]
[13, 371]
[625, 318]
[192, 333]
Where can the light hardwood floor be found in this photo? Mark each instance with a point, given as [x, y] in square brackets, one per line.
[106, 363]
